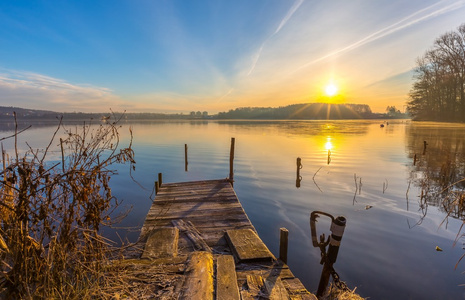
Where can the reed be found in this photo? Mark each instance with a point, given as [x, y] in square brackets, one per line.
[51, 213]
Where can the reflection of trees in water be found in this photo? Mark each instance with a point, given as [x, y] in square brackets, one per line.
[313, 127]
[439, 170]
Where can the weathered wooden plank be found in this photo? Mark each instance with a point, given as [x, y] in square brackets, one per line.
[195, 213]
[174, 206]
[193, 234]
[294, 286]
[199, 281]
[217, 224]
[275, 289]
[202, 225]
[254, 286]
[306, 296]
[283, 273]
[162, 242]
[196, 183]
[165, 195]
[236, 217]
[226, 280]
[246, 245]
[193, 199]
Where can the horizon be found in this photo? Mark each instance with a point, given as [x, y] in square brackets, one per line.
[173, 57]
[192, 111]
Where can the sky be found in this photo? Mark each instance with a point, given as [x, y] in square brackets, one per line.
[182, 56]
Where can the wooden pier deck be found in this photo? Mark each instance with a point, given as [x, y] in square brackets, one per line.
[199, 243]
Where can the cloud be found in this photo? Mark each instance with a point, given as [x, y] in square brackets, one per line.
[34, 90]
[421, 15]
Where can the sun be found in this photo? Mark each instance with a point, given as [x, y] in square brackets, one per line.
[331, 90]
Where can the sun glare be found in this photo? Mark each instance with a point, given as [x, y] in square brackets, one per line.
[331, 89]
[328, 145]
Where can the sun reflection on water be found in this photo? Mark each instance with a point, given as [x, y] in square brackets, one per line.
[329, 144]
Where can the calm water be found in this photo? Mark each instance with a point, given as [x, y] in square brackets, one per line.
[387, 252]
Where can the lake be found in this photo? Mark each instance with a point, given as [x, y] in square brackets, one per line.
[394, 209]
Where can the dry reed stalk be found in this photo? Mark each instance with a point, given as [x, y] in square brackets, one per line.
[50, 246]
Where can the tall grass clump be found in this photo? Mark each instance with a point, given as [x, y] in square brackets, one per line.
[53, 202]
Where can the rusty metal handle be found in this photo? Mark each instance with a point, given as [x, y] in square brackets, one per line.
[315, 214]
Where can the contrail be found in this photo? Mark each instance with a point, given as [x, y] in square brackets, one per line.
[225, 95]
[289, 14]
[404, 23]
[286, 18]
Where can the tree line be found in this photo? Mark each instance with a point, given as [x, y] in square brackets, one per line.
[438, 91]
[318, 111]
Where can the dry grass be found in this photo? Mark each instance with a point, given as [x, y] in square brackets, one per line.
[51, 213]
[335, 293]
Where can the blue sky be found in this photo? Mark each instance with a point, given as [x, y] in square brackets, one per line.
[179, 56]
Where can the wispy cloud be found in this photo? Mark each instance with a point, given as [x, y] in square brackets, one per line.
[289, 14]
[424, 14]
[36, 90]
[226, 95]
[283, 22]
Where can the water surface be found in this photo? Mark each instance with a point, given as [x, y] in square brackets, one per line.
[388, 248]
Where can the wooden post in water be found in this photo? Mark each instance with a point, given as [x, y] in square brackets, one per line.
[231, 161]
[185, 156]
[298, 178]
[160, 179]
[283, 242]
[157, 187]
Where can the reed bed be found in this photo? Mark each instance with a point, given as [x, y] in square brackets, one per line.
[51, 212]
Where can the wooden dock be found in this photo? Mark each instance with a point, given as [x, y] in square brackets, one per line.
[199, 243]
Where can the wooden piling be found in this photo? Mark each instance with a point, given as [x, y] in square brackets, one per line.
[160, 179]
[283, 244]
[298, 177]
[185, 157]
[231, 160]
[157, 187]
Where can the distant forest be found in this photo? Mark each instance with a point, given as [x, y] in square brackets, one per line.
[307, 111]
[438, 92]
[314, 111]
